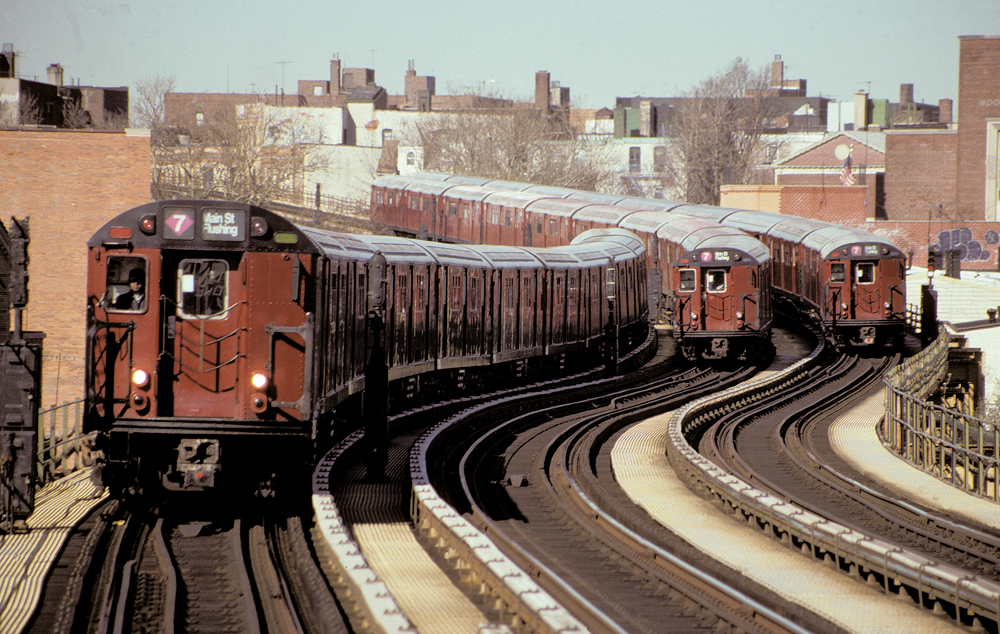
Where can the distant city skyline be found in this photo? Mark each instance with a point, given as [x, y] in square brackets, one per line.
[599, 50]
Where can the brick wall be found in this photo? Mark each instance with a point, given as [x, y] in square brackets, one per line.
[978, 100]
[69, 183]
[920, 174]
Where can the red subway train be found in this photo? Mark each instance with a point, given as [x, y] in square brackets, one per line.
[710, 280]
[850, 281]
[227, 345]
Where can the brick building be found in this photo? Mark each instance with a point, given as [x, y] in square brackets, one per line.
[938, 186]
[69, 183]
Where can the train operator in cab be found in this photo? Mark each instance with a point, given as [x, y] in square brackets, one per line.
[135, 297]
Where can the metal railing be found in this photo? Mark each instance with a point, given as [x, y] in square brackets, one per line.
[63, 448]
[954, 447]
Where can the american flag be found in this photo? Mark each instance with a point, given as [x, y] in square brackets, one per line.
[846, 176]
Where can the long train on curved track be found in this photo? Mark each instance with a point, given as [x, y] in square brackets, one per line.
[719, 295]
[226, 343]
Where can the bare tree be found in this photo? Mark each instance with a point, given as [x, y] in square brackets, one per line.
[718, 128]
[73, 116]
[511, 141]
[148, 109]
[251, 153]
[30, 110]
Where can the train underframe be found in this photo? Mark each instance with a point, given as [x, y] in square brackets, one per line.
[224, 457]
[719, 346]
[865, 334]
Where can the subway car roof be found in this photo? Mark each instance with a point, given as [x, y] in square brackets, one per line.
[557, 206]
[510, 198]
[202, 225]
[649, 204]
[626, 244]
[710, 249]
[854, 243]
[608, 214]
[467, 192]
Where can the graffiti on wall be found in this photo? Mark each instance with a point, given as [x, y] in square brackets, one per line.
[970, 249]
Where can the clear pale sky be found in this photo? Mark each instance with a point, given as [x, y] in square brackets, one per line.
[600, 50]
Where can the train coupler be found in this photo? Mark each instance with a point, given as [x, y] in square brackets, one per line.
[198, 462]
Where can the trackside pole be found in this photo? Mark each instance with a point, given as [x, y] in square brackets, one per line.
[375, 404]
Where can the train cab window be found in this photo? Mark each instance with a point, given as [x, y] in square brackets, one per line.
[838, 272]
[715, 280]
[866, 273]
[126, 284]
[203, 289]
[687, 281]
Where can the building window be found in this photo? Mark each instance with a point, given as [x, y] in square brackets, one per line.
[199, 118]
[411, 159]
[317, 91]
[634, 159]
[386, 135]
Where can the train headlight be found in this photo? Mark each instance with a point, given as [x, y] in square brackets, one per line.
[739, 315]
[140, 378]
[843, 307]
[694, 316]
[259, 380]
[887, 306]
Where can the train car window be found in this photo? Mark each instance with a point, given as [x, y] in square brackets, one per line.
[388, 199]
[473, 292]
[553, 228]
[716, 280]
[414, 203]
[421, 294]
[538, 227]
[866, 273]
[402, 294]
[453, 209]
[203, 288]
[687, 281]
[494, 216]
[559, 291]
[508, 218]
[528, 292]
[508, 293]
[427, 204]
[378, 197]
[455, 292]
[126, 284]
[573, 289]
[838, 272]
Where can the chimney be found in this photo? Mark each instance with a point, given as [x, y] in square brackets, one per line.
[542, 91]
[647, 122]
[860, 110]
[335, 85]
[944, 111]
[777, 72]
[8, 61]
[55, 74]
[905, 94]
